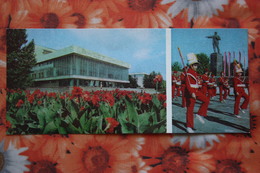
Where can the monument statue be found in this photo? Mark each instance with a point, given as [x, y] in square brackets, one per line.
[215, 42]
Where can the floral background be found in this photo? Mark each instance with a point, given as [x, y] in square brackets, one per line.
[214, 153]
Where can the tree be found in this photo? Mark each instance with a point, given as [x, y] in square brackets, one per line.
[149, 81]
[20, 59]
[176, 66]
[204, 62]
[133, 82]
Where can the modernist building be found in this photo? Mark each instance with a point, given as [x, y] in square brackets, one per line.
[139, 78]
[75, 66]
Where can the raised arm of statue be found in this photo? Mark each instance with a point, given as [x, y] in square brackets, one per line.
[215, 41]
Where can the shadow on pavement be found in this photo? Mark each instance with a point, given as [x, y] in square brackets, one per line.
[217, 120]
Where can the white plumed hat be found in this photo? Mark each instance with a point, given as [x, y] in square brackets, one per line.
[192, 59]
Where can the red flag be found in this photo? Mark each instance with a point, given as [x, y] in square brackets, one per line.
[229, 57]
[224, 62]
[244, 63]
[239, 57]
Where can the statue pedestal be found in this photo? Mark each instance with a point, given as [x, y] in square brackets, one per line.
[216, 63]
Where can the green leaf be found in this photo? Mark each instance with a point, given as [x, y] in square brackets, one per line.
[73, 110]
[126, 126]
[76, 123]
[154, 127]
[99, 124]
[144, 123]
[61, 125]
[73, 130]
[156, 102]
[21, 114]
[82, 121]
[131, 111]
[104, 108]
[87, 126]
[163, 114]
[62, 130]
[50, 128]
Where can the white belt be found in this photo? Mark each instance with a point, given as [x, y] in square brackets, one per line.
[241, 85]
[178, 83]
[210, 83]
[215, 85]
[206, 81]
[174, 81]
[194, 85]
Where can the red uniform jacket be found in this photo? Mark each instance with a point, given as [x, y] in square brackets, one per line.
[205, 79]
[226, 85]
[183, 76]
[174, 80]
[192, 81]
[221, 81]
[239, 85]
[178, 82]
[212, 82]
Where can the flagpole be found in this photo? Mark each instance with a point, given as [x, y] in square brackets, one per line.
[224, 62]
[186, 70]
[229, 57]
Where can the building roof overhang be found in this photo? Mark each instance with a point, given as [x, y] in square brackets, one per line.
[40, 57]
[81, 77]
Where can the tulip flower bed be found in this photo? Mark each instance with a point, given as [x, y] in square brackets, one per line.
[83, 112]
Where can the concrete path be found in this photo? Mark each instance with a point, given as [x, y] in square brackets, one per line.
[220, 118]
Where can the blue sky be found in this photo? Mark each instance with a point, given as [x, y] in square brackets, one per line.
[144, 49]
[194, 40]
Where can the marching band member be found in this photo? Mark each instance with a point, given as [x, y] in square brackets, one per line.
[183, 86]
[205, 79]
[226, 88]
[192, 94]
[226, 85]
[200, 81]
[174, 80]
[178, 86]
[221, 81]
[239, 90]
[210, 86]
[214, 86]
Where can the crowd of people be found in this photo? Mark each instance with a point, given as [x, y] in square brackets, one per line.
[191, 86]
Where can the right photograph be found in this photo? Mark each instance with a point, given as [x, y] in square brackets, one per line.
[210, 88]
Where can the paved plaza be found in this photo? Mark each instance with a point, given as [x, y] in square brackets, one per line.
[220, 119]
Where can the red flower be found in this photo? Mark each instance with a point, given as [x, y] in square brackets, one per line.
[48, 14]
[95, 100]
[161, 97]
[158, 78]
[82, 108]
[62, 97]
[145, 98]
[164, 104]
[86, 96]
[19, 103]
[112, 124]
[30, 98]
[8, 124]
[109, 98]
[77, 92]
[53, 95]
[39, 102]
[120, 94]
[38, 93]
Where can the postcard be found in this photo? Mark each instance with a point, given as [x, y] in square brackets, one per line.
[86, 81]
[210, 90]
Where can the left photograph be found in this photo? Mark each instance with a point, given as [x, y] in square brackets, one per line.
[86, 81]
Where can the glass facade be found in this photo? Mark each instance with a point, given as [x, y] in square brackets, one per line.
[62, 68]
